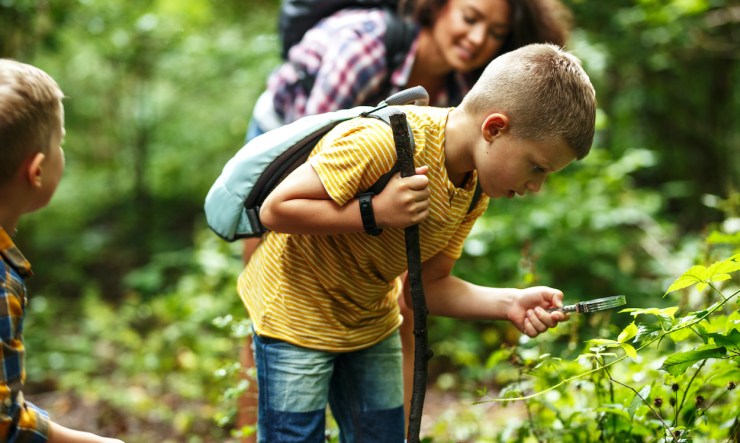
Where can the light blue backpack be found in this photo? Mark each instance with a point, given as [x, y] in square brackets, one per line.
[232, 205]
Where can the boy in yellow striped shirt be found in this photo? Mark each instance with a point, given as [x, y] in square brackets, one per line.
[322, 293]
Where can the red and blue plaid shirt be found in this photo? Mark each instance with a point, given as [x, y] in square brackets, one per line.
[20, 421]
[346, 55]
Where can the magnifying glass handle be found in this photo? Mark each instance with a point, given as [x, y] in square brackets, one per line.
[566, 308]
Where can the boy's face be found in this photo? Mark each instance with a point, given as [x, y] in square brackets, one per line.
[511, 166]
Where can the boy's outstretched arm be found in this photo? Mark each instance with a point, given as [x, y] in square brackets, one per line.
[453, 297]
[60, 434]
[301, 205]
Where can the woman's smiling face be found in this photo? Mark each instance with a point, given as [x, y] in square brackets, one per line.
[469, 33]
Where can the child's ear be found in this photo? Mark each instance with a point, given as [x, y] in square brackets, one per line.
[34, 171]
[494, 125]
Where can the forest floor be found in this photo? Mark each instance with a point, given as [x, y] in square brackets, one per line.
[447, 417]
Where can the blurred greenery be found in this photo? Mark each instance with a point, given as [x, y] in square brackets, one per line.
[133, 304]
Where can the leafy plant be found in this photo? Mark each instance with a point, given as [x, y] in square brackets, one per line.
[666, 377]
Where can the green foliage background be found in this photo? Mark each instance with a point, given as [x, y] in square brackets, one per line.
[134, 303]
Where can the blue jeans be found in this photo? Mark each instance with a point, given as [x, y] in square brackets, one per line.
[363, 388]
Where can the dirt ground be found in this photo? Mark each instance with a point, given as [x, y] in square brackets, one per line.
[446, 416]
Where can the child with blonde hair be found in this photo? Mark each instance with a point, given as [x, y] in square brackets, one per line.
[31, 165]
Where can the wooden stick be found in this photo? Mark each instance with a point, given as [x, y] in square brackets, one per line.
[422, 354]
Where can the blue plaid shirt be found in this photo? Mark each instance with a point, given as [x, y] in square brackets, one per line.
[20, 421]
[346, 55]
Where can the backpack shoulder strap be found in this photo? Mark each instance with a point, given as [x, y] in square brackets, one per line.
[476, 197]
[384, 113]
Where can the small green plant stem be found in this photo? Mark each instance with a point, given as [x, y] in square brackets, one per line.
[735, 431]
[686, 391]
[644, 400]
[704, 410]
[530, 416]
[612, 400]
[676, 408]
[598, 391]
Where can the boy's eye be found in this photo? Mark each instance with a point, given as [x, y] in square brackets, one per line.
[538, 169]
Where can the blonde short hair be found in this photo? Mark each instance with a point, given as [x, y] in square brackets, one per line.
[545, 93]
[30, 113]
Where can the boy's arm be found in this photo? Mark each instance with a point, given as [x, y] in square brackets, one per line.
[453, 297]
[60, 434]
[301, 205]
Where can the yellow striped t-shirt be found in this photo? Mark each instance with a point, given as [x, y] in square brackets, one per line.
[339, 293]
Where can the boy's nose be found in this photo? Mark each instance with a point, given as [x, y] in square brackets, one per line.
[535, 186]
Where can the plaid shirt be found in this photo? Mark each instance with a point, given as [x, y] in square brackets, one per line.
[20, 421]
[345, 53]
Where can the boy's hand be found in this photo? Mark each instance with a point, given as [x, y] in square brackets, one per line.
[528, 311]
[404, 201]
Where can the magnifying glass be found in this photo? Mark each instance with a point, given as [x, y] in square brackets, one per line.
[598, 304]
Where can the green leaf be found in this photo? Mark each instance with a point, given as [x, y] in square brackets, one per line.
[677, 364]
[702, 276]
[498, 356]
[630, 351]
[666, 322]
[670, 311]
[647, 332]
[724, 268]
[637, 401]
[717, 238]
[680, 334]
[732, 339]
[695, 274]
[615, 409]
[627, 333]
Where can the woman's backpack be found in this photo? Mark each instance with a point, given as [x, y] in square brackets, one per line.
[298, 16]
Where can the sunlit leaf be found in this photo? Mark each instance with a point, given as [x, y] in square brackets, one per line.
[677, 364]
[670, 311]
[702, 276]
[680, 334]
[724, 268]
[733, 320]
[630, 351]
[695, 274]
[627, 333]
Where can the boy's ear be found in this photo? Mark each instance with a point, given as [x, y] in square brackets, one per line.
[34, 171]
[494, 125]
